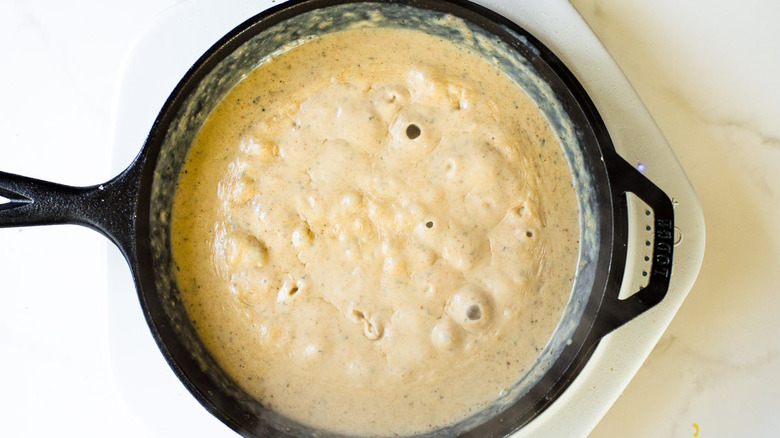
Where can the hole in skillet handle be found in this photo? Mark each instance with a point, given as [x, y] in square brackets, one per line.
[616, 311]
[639, 246]
[9, 199]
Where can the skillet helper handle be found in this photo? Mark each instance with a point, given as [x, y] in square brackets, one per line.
[629, 180]
[107, 208]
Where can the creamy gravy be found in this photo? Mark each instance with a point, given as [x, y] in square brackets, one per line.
[375, 232]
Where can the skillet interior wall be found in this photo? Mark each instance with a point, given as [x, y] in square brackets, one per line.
[218, 71]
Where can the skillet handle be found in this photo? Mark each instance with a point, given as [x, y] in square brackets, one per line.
[626, 178]
[107, 208]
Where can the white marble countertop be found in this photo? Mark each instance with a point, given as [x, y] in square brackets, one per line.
[706, 71]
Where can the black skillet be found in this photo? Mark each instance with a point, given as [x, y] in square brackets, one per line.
[132, 209]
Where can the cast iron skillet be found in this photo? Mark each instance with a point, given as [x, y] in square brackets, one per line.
[132, 209]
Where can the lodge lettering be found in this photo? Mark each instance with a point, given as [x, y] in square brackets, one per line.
[663, 223]
[662, 254]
